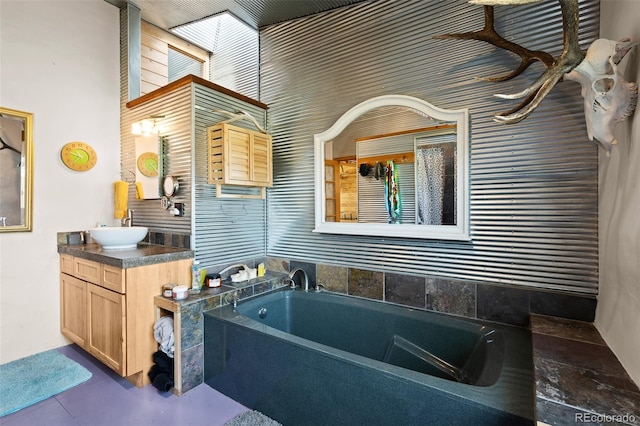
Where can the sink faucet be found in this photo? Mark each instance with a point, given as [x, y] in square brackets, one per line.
[127, 221]
[304, 275]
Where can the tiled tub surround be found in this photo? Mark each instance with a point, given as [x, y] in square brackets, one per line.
[471, 299]
[188, 322]
[578, 379]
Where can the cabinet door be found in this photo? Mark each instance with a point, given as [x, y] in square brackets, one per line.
[237, 164]
[261, 159]
[73, 309]
[106, 327]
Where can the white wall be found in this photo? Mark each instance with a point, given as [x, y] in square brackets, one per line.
[60, 61]
[618, 313]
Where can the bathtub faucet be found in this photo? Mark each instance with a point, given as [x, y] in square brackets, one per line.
[304, 275]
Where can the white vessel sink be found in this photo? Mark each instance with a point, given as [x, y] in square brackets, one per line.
[118, 238]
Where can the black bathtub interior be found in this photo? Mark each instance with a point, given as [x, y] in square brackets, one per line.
[458, 351]
[306, 359]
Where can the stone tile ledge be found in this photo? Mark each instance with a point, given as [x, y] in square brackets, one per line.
[223, 294]
[578, 378]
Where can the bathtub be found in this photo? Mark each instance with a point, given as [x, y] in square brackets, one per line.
[330, 359]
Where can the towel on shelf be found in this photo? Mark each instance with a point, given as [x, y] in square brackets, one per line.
[163, 333]
[120, 198]
[161, 372]
[139, 191]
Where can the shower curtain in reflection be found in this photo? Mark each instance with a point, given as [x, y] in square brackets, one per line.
[430, 185]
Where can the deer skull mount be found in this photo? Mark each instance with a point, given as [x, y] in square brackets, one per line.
[608, 99]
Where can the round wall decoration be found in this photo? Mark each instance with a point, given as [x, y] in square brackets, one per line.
[148, 164]
[78, 156]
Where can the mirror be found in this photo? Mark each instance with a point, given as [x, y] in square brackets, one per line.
[394, 165]
[148, 165]
[16, 170]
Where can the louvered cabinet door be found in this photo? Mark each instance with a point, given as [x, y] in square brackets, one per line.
[237, 157]
[261, 159]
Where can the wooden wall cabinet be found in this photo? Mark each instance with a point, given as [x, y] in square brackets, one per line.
[238, 156]
[109, 311]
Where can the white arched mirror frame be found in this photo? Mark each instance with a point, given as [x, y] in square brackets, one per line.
[459, 231]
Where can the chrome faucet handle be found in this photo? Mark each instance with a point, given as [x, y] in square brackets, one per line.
[292, 283]
[318, 285]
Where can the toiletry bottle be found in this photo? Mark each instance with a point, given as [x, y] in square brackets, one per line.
[195, 277]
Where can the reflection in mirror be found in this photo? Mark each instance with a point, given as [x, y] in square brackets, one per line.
[148, 165]
[436, 164]
[394, 166]
[16, 170]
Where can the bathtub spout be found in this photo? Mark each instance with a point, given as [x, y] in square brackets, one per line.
[304, 276]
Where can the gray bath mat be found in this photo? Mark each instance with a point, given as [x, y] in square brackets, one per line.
[251, 418]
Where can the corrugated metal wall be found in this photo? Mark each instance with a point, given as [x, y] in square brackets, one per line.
[533, 196]
[176, 131]
[225, 230]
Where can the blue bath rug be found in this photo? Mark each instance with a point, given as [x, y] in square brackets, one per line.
[25, 381]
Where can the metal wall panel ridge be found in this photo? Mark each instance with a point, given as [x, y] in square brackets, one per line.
[533, 185]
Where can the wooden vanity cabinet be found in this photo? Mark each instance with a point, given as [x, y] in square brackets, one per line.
[109, 311]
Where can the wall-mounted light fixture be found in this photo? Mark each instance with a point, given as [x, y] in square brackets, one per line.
[147, 126]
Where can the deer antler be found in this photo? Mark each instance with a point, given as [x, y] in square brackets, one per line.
[490, 35]
[570, 57]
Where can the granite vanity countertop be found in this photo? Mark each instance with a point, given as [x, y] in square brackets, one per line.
[144, 254]
[578, 378]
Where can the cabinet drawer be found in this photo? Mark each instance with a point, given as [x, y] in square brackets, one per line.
[113, 278]
[66, 264]
[87, 270]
